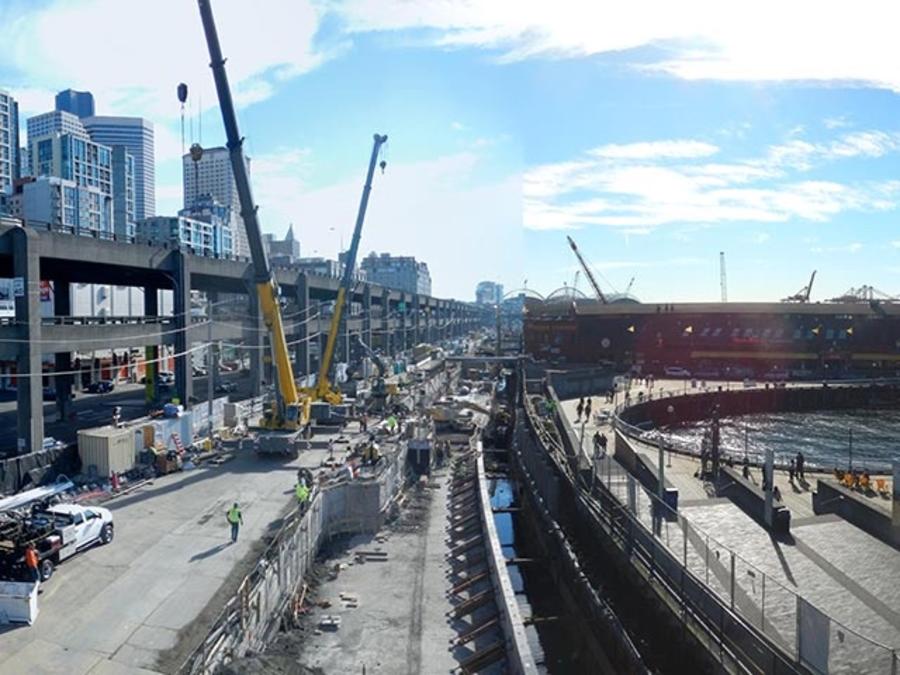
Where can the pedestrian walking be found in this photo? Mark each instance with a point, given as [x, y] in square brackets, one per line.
[235, 519]
[579, 409]
[791, 469]
[801, 469]
[765, 478]
[31, 563]
[587, 410]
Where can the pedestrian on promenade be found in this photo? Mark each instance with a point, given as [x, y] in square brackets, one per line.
[765, 478]
[579, 409]
[587, 410]
[235, 519]
[801, 469]
[791, 468]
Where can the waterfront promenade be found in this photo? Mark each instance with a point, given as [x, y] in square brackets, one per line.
[825, 568]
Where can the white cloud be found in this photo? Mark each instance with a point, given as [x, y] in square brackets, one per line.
[678, 149]
[140, 54]
[854, 247]
[431, 209]
[835, 122]
[699, 39]
[640, 186]
[457, 126]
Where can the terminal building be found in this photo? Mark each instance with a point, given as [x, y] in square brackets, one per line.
[767, 340]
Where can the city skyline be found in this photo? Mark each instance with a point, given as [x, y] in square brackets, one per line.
[656, 143]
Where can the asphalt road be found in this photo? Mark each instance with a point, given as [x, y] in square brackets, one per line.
[129, 608]
[92, 410]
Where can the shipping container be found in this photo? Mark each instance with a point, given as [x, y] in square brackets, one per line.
[108, 449]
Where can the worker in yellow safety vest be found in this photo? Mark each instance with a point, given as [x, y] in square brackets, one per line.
[302, 493]
[235, 519]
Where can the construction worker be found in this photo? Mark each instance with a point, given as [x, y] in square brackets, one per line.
[235, 519]
[31, 563]
[302, 493]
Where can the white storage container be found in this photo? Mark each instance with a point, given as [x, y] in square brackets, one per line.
[109, 449]
[18, 602]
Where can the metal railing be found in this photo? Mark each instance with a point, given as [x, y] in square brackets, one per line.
[754, 457]
[759, 620]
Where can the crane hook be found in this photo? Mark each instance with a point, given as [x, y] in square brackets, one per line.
[382, 165]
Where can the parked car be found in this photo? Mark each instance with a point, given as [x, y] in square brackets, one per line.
[166, 377]
[100, 387]
[226, 387]
[677, 371]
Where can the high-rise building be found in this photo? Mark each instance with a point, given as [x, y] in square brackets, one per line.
[136, 134]
[320, 266]
[55, 122]
[80, 103]
[212, 176]
[123, 173]
[198, 237]
[282, 251]
[87, 164]
[73, 158]
[64, 205]
[9, 142]
[488, 293]
[401, 272]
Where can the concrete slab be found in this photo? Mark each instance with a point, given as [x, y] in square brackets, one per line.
[184, 604]
[41, 656]
[153, 638]
[113, 668]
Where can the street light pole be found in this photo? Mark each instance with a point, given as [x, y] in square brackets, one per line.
[209, 372]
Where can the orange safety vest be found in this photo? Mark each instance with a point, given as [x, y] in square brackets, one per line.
[31, 558]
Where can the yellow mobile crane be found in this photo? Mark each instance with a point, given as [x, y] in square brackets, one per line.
[288, 412]
[323, 390]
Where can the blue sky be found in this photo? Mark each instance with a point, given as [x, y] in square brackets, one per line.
[656, 137]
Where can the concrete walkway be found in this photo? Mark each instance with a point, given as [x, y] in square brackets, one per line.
[841, 570]
[133, 606]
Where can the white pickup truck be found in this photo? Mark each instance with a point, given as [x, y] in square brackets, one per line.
[73, 528]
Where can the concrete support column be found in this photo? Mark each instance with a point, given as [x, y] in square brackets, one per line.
[29, 385]
[385, 322]
[213, 355]
[151, 352]
[181, 308]
[367, 315]
[255, 339]
[301, 333]
[417, 319]
[62, 306]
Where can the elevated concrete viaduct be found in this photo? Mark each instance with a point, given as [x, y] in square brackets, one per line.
[389, 320]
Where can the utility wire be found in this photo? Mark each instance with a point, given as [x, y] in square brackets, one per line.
[56, 373]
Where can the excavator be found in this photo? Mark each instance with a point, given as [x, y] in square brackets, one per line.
[380, 389]
[291, 408]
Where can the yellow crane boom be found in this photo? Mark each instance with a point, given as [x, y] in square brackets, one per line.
[323, 391]
[288, 412]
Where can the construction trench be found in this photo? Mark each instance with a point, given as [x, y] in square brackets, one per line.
[408, 554]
